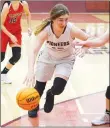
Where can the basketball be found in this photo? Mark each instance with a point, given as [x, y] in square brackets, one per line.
[28, 98]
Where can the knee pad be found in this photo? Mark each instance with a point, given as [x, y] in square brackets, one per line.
[40, 86]
[58, 86]
[2, 56]
[108, 92]
[16, 54]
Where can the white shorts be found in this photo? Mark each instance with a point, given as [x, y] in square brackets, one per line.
[47, 66]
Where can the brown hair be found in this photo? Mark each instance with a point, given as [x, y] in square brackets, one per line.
[57, 11]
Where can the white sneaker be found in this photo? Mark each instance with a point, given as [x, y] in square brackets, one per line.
[103, 120]
[5, 79]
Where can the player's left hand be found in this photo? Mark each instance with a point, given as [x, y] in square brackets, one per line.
[29, 31]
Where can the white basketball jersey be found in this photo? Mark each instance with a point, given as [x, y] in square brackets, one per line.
[59, 47]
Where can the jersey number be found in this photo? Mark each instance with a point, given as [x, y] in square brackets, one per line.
[13, 20]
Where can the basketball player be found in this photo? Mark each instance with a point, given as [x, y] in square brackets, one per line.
[11, 32]
[97, 43]
[57, 56]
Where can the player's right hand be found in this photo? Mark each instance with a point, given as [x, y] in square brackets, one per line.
[29, 79]
[14, 39]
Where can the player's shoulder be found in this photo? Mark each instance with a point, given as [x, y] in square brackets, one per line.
[70, 24]
[6, 5]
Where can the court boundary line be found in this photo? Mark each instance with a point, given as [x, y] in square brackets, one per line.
[16, 119]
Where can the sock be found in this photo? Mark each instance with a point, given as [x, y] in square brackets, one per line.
[5, 70]
[107, 111]
[40, 86]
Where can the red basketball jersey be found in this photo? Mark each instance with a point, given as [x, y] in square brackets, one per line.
[13, 19]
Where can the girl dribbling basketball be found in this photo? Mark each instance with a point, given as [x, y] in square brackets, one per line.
[57, 56]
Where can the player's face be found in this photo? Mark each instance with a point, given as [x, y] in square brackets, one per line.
[61, 21]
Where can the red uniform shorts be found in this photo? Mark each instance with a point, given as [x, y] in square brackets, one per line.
[5, 39]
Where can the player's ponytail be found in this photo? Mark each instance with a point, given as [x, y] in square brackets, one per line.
[43, 24]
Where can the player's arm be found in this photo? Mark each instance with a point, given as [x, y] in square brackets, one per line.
[4, 13]
[97, 42]
[34, 49]
[78, 33]
[102, 40]
[27, 12]
[36, 44]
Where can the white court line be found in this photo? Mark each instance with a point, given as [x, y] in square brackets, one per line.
[77, 101]
[79, 107]
[81, 110]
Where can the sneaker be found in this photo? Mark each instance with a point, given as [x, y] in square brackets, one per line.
[33, 113]
[5, 79]
[49, 102]
[103, 120]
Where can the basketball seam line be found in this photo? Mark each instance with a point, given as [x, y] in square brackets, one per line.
[27, 96]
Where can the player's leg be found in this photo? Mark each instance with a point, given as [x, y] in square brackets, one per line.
[105, 119]
[44, 73]
[2, 56]
[62, 72]
[108, 100]
[16, 54]
[4, 42]
[40, 86]
[57, 88]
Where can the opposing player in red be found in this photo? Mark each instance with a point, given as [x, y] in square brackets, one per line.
[11, 32]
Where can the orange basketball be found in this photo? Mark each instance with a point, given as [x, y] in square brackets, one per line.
[28, 98]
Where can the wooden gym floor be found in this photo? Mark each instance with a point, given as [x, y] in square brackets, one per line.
[84, 96]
